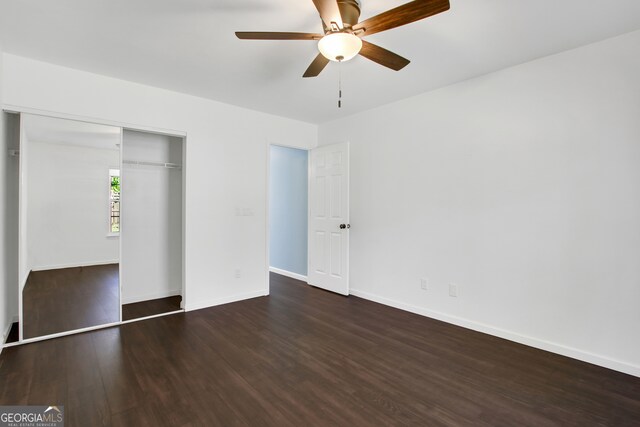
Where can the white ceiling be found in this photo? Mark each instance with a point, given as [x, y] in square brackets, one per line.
[189, 46]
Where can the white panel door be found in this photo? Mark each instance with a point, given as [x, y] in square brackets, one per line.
[329, 218]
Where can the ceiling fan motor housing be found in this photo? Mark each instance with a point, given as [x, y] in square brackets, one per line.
[350, 12]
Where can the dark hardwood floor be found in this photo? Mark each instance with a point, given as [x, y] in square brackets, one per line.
[75, 298]
[305, 357]
[129, 312]
[70, 298]
[152, 307]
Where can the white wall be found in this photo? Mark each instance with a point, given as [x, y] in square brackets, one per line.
[151, 218]
[68, 205]
[226, 157]
[522, 187]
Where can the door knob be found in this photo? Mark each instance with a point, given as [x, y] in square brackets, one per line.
[343, 226]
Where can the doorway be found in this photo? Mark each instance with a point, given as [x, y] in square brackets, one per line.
[309, 215]
[288, 211]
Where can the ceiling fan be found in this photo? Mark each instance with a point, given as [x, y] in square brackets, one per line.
[342, 38]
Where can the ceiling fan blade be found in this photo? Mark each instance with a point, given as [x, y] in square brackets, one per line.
[402, 15]
[329, 12]
[255, 35]
[316, 66]
[383, 56]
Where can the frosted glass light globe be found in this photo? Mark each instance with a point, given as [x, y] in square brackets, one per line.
[339, 46]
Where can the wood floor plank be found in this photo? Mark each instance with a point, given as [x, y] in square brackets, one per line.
[303, 356]
[70, 298]
[87, 406]
[141, 309]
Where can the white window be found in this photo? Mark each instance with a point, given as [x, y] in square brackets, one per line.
[114, 201]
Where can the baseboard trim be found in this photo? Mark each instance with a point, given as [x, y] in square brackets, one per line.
[154, 295]
[220, 301]
[74, 265]
[552, 347]
[288, 274]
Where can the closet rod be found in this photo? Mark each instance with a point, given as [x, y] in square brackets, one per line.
[141, 163]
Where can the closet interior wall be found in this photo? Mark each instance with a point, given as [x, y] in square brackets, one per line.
[9, 300]
[151, 216]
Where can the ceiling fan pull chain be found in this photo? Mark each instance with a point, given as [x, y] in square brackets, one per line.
[339, 84]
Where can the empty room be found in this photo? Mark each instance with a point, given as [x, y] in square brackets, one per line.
[320, 212]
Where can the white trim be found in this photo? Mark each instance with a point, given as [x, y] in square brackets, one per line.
[111, 235]
[89, 329]
[62, 334]
[22, 285]
[74, 265]
[120, 151]
[183, 240]
[8, 108]
[616, 365]
[220, 301]
[267, 220]
[124, 322]
[288, 274]
[268, 209]
[22, 226]
[154, 295]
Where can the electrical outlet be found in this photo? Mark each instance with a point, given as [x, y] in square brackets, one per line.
[453, 290]
[424, 284]
[238, 273]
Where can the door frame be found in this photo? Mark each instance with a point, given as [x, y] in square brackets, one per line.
[268, 269]
[267, 210]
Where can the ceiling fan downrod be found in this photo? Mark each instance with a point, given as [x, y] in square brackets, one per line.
[349, 12]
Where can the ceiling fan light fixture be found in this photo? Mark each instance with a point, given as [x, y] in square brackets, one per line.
[340, 47]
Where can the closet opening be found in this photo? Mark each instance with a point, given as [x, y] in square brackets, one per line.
[151, 224]
[94, 225]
